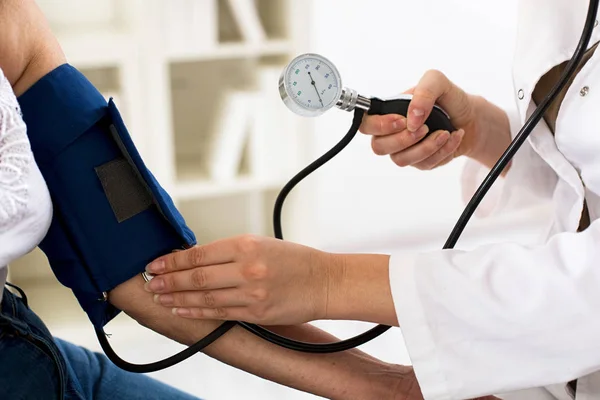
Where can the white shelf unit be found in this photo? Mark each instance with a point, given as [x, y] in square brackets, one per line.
[168, 65]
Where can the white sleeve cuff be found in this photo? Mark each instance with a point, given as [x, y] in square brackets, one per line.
[415, 328]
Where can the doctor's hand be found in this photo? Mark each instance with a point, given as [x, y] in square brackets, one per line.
[401, 138]
[245, 278]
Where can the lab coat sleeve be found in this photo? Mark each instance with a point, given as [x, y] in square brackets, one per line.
[528, 181]
[501, 317]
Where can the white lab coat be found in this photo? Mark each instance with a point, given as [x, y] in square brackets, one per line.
[506, 317]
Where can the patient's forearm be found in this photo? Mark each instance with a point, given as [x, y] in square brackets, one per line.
[348, 375]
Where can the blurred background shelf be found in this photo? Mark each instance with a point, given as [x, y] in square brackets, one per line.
[97, 49]
[231, 50]
[203, 189]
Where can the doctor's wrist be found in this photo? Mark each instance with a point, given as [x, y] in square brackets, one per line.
[492, 131]
[359, 289]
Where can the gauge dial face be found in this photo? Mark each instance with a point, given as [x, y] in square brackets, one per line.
[310, 85]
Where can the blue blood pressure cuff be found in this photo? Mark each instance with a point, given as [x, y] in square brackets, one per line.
[111, 216]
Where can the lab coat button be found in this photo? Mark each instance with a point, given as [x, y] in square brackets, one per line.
[596, 23]
[584, 91]
[521, 94]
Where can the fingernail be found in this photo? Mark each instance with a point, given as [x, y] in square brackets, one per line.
[182, 312]
[442, 138]
[155, 285]
[422, 131]
[418, 113]
[399, 124]
[414, 120]
[165, 299]
[156, 267]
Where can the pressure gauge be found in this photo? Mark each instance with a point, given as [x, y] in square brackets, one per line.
[310, 85]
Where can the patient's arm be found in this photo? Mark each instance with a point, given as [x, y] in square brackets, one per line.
[347, 375]
[28, 49]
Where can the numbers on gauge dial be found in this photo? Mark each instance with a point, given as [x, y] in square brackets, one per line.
[313, 84]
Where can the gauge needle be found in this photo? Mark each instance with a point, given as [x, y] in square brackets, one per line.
[312, 82]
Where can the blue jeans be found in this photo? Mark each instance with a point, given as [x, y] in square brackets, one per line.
[36, 366]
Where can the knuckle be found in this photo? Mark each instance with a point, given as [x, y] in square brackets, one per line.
[255, 271]
[399, 142]
[399, 160]
[437, 77]
[377, 147]
[434, 79]
[169, 283]
[380, 125]
[198, 278]
[249, 243]
[435, 74]
[425, 93]
[432, 146]
[435, 159]
[209, 299]
[179, 299]
[259, 313]
[171, 263]
[260, 295]
[196, 255]
[220, 313]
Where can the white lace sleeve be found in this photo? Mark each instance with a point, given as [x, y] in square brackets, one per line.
[15, 158]
[25, 205]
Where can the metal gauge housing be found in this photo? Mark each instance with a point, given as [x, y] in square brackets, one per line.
[310, 85]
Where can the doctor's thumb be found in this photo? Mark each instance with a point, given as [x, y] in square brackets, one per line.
[418, 112]
[434, 88]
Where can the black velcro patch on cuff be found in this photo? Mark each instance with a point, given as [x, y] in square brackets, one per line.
[126, 194]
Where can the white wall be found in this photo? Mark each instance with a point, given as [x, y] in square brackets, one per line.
[381, 48]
